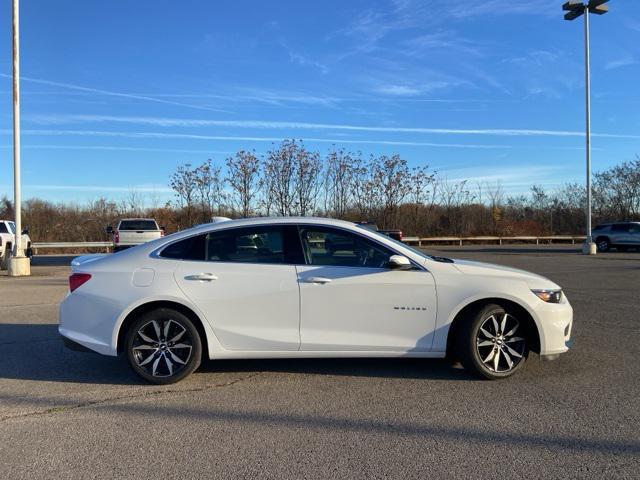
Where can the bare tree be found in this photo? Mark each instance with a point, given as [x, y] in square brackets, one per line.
[496, 197]
[392, 180]
[364, 192]
[183, 182]
[279, 172]
[132, 203]
[243, 176]
[306, 180]
[210, 189]
[422, 187]
[339, 179]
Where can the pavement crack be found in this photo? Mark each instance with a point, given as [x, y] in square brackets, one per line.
[136, 396]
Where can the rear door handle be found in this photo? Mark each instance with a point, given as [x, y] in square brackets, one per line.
[321, 280]
[202, 277]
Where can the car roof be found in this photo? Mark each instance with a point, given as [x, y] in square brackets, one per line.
[240, 222]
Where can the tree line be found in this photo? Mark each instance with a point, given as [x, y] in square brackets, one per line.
[291, 180]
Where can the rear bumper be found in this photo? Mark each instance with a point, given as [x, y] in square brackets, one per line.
[88, 321]
[75, 346]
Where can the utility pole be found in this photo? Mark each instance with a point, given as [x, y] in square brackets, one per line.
[19, 265]
[574, 10]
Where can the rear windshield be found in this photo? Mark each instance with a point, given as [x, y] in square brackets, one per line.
[138, 225]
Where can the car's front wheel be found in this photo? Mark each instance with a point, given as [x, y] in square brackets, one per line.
[163, 346]
[493, 343]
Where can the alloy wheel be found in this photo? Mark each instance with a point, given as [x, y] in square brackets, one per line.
[499, 343]
[162, 348]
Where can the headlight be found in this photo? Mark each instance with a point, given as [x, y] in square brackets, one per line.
[549, 296]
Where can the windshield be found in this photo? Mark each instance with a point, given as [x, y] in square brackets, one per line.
[138, 225]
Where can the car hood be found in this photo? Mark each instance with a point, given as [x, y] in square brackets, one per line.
[469, 267]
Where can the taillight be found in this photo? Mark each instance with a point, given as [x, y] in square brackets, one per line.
[78, 279]
[116, 237]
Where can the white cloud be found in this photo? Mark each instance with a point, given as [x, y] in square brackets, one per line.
[98, 91]
[280, 125]
[188, 136]
[400, 90]
[305, 61]
[621, 62]
[117, 149]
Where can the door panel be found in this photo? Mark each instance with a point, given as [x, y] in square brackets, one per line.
[244, 281]
[620, 234]
[249, 306]
[366, 309]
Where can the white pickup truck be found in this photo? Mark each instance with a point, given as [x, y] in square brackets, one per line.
[7, 239]
[134, 231]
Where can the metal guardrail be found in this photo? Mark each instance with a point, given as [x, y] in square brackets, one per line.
[494, 239]
[419, 241]
[66, 245]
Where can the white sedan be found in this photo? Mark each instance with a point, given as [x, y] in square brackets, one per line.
[305, 287]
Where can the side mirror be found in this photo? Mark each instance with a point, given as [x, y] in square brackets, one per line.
[109, 229]
[399, 262]
[25, 231]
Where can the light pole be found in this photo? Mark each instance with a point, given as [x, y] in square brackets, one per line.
[19, 265]
[575, 9]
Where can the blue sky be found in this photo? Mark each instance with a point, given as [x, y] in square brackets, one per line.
[117, 94]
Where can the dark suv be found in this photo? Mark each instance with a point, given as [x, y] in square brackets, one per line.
[620, 235]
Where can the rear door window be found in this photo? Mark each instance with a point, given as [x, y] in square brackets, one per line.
[260, 244]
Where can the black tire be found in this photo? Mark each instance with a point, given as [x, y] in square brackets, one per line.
[163, 359]
[504, 346]
[603, 244]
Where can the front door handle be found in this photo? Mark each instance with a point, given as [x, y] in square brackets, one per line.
[321, 280]
[202, 277]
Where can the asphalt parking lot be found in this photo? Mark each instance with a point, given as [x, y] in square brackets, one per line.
[65, 414]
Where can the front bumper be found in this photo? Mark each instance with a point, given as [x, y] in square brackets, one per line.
[555, 324]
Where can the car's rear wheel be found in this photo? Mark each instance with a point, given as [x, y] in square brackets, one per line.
[163, 346]
[603, 244]
[493, 342]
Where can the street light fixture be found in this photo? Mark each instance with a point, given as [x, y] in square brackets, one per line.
[574, 10]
